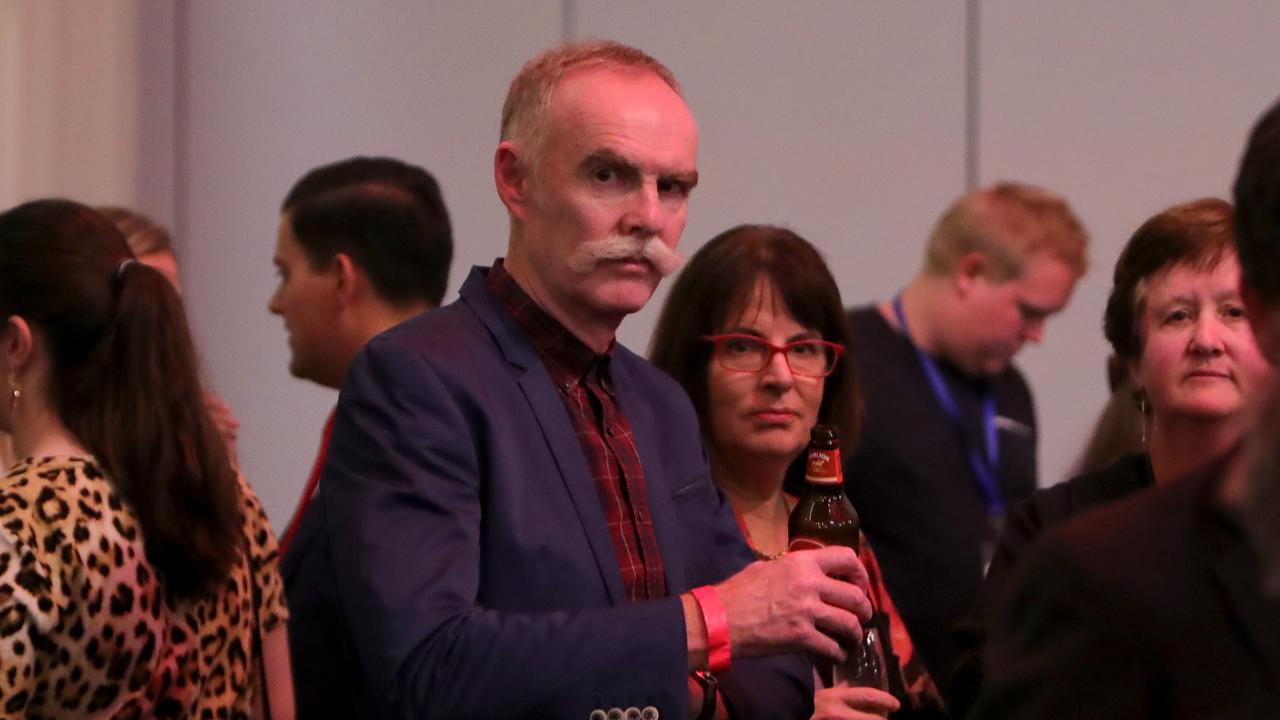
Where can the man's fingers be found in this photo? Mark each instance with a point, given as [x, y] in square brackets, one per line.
[824, 645]
[841, 562]
[846, 595]
[841, 626]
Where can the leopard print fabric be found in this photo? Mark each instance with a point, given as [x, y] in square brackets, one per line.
[86, 629]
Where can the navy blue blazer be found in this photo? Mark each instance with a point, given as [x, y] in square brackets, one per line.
[326, 674]
[470, 552]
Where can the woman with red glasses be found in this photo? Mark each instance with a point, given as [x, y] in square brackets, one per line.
[754, 330]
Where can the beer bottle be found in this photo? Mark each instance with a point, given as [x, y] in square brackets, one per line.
[824, 516]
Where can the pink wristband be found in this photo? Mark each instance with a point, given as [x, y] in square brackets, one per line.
[717, 623]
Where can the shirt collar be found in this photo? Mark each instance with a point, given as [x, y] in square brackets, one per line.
[567, 359]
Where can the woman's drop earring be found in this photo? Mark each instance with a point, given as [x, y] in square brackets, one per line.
[15, 394]
[1142, 414]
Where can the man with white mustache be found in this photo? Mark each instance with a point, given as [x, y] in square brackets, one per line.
[519, 509]
[620, 247]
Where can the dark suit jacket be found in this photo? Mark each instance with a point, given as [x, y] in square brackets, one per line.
[471, 557]
[1025, 524]
[1149, 608]
[327, 678]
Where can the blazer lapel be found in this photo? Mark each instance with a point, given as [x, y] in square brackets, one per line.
[558, 431]
[554, 423]
[645, 429]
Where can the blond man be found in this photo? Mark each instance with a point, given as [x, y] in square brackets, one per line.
[949, 438]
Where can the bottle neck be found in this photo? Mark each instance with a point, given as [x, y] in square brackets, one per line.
[824, 487]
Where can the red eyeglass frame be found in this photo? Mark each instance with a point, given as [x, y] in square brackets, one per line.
[774, 350]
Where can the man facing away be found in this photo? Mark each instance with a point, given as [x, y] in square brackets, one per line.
[1165, 604]
[521, 517]
[949, 438]
[363, 244]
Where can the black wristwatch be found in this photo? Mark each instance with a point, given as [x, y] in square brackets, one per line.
[707, 681]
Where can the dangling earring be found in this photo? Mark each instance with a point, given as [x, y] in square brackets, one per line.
[15, 394]
[1142, 414]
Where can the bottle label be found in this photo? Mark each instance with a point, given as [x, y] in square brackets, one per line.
[824, 467]
[805, 543]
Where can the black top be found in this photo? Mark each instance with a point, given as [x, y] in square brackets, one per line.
[910, 480]
[1025, 524]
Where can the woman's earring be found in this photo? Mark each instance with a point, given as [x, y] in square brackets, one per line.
[1142, 414]
[15, 394]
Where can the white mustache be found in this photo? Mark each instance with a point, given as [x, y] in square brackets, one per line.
[623, 247]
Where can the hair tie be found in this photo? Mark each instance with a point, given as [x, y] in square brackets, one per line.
[124, 264]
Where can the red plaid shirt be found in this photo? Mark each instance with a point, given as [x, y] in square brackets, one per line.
[582, 379]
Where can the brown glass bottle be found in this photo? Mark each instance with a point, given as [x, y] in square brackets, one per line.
[824, 516]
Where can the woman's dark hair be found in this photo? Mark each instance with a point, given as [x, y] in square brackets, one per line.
[1196, 233]
[718, 281]
[124, 382]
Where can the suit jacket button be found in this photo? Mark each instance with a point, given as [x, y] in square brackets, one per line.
[649, 713]
[615, 713]
[632, 713]
[597, 714]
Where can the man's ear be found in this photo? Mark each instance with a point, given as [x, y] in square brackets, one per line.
[511, 175]
[348, 277]
[1264, 322]
[16, 343]
[971, 267]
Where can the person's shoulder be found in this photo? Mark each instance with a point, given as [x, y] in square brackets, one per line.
[53, 489]
[1054, 505]
[879, 350]
[1132, 472]
[1137, 528]
[867, 320]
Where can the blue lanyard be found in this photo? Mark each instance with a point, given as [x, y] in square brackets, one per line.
[985, 461]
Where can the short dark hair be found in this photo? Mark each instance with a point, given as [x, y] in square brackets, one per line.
[1257, 195]
[125, 382]
[1196, 233]
[719, 278]
[386, 214]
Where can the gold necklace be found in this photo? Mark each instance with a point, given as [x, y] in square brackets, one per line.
[746, 534]
[768, 556]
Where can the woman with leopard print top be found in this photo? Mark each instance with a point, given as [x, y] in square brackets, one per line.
[138, 573]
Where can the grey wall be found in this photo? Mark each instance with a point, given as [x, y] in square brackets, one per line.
[1125, 108]
[845, 120]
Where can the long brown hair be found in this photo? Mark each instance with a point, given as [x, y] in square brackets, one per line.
[125, 383]
[716, 281]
